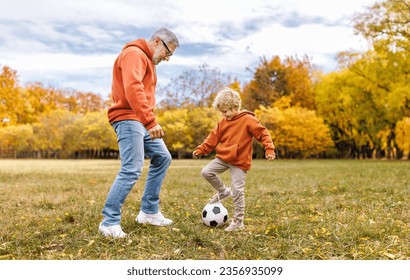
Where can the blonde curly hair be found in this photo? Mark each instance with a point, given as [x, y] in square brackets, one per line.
[227, 99]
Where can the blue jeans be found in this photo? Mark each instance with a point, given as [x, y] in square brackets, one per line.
[134, 143]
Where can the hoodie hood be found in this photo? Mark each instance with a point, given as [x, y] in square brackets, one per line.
[242, 114]
[142, 45]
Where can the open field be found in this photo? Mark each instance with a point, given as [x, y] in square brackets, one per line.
[296, 210]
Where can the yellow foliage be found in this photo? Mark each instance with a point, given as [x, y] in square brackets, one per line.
[403, 134]
[296, 130]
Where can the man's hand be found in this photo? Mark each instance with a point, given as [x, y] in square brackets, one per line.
[270, 157]
[156, 132]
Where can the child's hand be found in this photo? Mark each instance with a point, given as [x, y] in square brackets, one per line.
[194, 154]
[270, 157]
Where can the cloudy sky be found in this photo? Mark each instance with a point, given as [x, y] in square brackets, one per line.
[73, 43]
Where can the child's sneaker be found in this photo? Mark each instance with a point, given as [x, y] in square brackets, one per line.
[235, 226]
[153, 219]
[221, 196]
[112, 231]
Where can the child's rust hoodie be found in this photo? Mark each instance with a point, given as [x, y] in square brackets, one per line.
[232, 140]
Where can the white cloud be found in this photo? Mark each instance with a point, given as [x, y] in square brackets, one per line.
[329, 9]
[73, 43]
[310, 38]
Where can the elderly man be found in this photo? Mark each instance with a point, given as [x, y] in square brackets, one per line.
[138, 133]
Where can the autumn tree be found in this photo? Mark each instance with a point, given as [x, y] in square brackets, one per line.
[275, 79]
[267, 85]
[81, 102]
[11, 101]
[295, 131]
[403, 135]
[41, 100]
[386, 24]
[193, 88]
[175, 124]
[34, 118]
[201, 122]
[299, 77]
[16, 139]
[380, 76]
[50, 131]
[349, 112]
[185, 128]
[89, 136]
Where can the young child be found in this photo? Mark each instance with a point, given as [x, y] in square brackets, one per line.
[232, 140]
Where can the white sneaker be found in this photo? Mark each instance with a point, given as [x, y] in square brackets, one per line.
[221, 196]
[153, 219]
[233, 226]
[112, 231]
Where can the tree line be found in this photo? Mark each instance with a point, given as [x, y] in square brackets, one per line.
[362, 110]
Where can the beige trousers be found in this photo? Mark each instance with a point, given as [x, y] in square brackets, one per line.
[210, 173]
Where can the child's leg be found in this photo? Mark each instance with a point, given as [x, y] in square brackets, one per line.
[210, 172]
[238, 177]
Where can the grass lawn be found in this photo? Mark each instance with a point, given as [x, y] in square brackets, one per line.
[295, 210]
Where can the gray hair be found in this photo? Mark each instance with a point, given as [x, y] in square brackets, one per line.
[227, 98]
[166, 35]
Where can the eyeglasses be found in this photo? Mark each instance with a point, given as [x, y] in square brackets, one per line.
[169, 53]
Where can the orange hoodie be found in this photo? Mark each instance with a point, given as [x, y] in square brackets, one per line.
[232, 140]
[133, 85]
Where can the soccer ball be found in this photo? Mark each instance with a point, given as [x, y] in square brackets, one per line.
[214, 215]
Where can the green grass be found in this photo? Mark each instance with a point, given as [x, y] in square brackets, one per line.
[295, 210]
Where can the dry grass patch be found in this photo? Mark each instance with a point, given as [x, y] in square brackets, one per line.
[313, 209]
